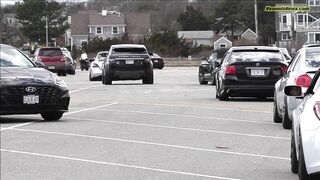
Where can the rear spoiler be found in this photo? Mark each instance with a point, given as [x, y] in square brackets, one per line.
[311, 72]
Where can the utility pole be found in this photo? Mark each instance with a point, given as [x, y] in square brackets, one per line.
[256, 19]
[293, 34]
[47, 34]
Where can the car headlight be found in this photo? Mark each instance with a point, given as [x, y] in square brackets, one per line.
[59, 82]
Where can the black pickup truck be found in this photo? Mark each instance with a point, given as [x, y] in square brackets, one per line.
[127, 62]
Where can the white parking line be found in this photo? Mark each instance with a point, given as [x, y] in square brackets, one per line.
[189, 116]
[180, 128]
[147, 92]
[68, 113]
[153, 144]
[117, 164]
[200, 107]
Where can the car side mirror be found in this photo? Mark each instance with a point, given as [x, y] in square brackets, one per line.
[151, 53]
[295, 91]
[39, 64]
[91, 59]
[216, 64]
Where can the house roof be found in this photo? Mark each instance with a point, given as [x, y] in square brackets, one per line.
[138, 23]
[222, 38]
[196, 34]
[110, 19]
[248, 32]
[79, 24]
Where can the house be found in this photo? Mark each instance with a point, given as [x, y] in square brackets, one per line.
[305, 26]
[198, 37]
[248, 37]
[107, 25]
[222, 42]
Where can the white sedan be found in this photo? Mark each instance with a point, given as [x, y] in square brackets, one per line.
[305, 140]
[95, 72]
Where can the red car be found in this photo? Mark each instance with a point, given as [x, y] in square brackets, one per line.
[53, 59]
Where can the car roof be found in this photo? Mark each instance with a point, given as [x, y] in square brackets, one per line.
[102, 52]
[128, 46]
[6, 46]
[239, 48]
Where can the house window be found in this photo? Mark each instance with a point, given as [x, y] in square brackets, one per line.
[285, 36]
[115, 30]
[98, 30]
[301, 19]
[284, 19]
[314, 2]
[222, 45]
[314, 37]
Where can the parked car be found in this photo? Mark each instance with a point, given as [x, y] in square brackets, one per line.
[71, 64]
[305, 136]
[127, 62]
[28, 89]
[157, 61]
[53, 59]
[207, 70]
[286, 54]
[300, 72]
[249, 71]
[95, 71]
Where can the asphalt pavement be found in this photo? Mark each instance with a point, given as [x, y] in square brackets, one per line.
[174, 129]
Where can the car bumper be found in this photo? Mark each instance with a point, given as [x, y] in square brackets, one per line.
[56, 68]
[158, 65]
[128, 72]
[96, 72]
[311, 149]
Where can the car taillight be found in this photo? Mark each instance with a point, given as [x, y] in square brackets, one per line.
[284, 69]
[63, 59]
[316, 109]
[38, 58]
[231, 70]
[303, 80]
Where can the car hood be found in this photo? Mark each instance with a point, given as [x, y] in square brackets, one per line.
[20, 76]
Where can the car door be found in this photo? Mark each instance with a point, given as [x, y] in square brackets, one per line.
[283, 82]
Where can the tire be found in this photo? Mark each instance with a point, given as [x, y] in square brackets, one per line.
[223, 97]
[276, 117]
[91, 78]
[72, 72]
[64, 73]
[302, 170]
[106, 78]
[286, 122]
[293, 155]
[52, 116]
[148, 78]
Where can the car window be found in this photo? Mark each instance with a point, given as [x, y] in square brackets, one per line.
[313, 58]
[11, 57]
[129, 51]
[249, 56]
[293, 61]
[213, 56]
[50, 52]
[296, 64]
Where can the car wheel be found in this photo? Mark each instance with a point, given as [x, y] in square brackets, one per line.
[106, 78]
[286, 122]
[64, 73]
[148, 78]
[90, 77]
[73, 72]
[276, 117]
[302, 170]
[293, 155]
[51, 116]
[201, 79]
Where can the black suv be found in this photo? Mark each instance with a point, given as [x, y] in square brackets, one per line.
[127, 62]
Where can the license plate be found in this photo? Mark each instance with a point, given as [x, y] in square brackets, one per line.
[156, 61]
[257, 72]
[129, 61]
[31, 99]
[51, 67]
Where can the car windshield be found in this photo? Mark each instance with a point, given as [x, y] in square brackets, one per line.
[129, 51]
[267, 56]
[313, 58]
[11, 57]
[50, 52]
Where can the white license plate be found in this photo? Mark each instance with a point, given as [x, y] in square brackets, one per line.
[51, 67]
[156, 61]
[31, 99]
[257, 72]
[129, 61]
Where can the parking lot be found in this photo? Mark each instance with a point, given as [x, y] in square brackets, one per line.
[173, 129]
